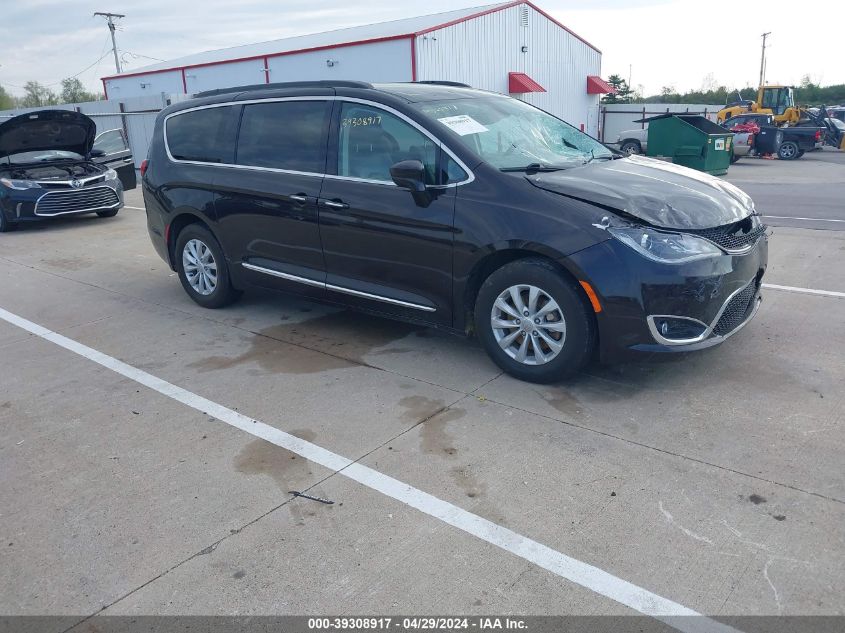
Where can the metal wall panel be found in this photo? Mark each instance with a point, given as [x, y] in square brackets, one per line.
[381, 61]
[224, 75]
[482, 51]
[144, 85]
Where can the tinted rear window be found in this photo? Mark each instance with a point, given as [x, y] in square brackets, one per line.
[284, 135]
[205, 135]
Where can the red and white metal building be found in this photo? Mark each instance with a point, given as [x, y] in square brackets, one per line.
[512, 47]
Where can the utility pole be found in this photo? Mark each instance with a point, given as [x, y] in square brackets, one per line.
[763, 59]
[110, 19]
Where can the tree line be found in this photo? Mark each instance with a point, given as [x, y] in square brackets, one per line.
[38, 95]
[806, 94]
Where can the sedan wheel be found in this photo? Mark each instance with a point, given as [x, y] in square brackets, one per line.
[200, 267]
[528, 324]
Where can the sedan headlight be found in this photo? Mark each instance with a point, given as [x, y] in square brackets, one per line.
[19, 184]
[667, 248]
[111, 174]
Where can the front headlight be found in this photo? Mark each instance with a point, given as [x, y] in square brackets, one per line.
[19, 184]
[111, 174]
[667, 248]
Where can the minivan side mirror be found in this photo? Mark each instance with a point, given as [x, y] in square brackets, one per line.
[97, 153]
[409, 174]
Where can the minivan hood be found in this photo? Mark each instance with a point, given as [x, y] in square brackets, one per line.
[45, 130]
[659, 193]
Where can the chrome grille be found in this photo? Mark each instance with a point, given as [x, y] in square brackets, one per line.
[76, 201]
[736, 311]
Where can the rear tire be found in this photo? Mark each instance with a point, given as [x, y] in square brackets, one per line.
[734, 158]
[789, 150]
[110, 213]
[631, 147]
[554, 339]
[202, 268]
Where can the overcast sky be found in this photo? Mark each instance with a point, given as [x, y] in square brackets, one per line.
[680, 43]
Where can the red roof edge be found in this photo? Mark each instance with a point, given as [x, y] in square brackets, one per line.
[598, 86]
[519, 83]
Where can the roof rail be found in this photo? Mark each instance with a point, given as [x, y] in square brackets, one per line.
[456, 84]
[286, 84]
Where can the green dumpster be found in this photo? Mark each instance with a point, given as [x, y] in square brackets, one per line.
[690, 140]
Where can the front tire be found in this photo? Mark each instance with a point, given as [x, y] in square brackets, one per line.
[202, 268]
[109, 213]
[534, 322]
[789, 150]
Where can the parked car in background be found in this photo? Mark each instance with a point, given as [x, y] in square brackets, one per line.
[462, 209]
[49, 168]
[633, 141]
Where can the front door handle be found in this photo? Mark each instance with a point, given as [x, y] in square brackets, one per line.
[335, 204]
[301, 199]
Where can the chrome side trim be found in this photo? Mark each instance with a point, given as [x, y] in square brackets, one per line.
[709, 328]
[332, 287]
[376, 104]
[367, 295]
[276, 273]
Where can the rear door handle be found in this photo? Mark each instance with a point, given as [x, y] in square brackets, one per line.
[335, 204]
[300, 198]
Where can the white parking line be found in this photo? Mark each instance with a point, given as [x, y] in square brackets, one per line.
[126, 206]
[576, 571]
[806, 291]
[788, 217]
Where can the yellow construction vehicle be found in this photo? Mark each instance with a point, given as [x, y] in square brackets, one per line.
[778, 101]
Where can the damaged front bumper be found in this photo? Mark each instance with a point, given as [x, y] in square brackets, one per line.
[652, 307]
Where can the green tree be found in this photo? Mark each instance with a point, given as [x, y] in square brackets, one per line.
[36, 95]
[7, 101]
[623, 93]
[74, 92]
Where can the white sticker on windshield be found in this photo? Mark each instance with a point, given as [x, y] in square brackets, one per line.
[463, 124]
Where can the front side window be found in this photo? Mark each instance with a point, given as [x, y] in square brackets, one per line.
[284, 135]
[510, 134]
[372, 140]
[206, 135]
[110, 142]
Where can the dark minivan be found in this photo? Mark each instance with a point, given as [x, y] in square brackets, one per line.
[463, 209]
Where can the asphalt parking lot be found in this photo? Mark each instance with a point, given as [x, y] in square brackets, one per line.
[713, 481]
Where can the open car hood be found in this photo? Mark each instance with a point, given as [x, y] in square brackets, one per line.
[47, 129]
[656, 192]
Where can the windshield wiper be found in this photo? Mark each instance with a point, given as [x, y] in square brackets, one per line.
[534, 167]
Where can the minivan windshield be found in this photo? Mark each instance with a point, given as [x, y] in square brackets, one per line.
[512, 135]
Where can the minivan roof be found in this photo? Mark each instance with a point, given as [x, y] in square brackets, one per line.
[410, 92]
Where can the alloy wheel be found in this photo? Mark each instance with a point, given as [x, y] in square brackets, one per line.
[199, 266]
[528, 324]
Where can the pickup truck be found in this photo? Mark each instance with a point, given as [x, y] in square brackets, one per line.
[796, 140]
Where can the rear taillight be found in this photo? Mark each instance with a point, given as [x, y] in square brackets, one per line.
[144, 164]
[818, 135]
